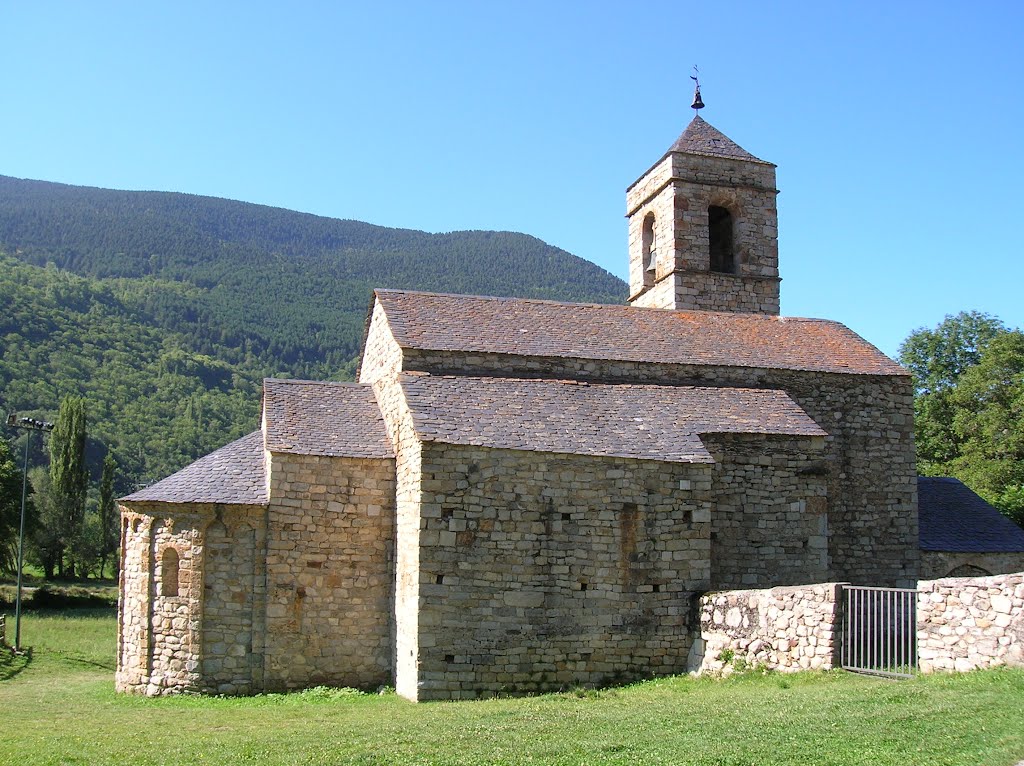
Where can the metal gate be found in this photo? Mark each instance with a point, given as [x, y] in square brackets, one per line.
[880, 631]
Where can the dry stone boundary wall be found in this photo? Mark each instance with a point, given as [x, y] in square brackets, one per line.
[788, 629]
[963, 623]
[966, 623]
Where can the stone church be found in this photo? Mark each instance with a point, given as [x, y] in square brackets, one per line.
[524, 495]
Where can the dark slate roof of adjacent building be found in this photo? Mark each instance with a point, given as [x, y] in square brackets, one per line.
[334, 419]
[632, 421]
[234, 474]
[704, 139]
[524, 327]
[953, 518]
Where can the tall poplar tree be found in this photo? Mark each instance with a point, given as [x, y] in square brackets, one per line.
[108, 513]
[69, 481]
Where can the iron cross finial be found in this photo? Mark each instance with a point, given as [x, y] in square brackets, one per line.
[697, 103]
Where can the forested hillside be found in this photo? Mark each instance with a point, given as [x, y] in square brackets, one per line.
[166, 310]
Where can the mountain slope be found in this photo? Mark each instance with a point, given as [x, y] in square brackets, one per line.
[167, 309]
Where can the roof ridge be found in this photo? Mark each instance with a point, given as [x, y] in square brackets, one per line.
[304, 382]
[392, 291]
[625, 306]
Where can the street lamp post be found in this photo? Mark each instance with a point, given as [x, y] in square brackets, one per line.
[29, 424]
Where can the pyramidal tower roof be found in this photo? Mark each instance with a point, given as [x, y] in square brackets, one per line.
[704, 139]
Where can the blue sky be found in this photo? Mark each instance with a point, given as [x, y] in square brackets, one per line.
[896, 127]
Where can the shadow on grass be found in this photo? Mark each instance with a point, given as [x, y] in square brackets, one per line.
[82, 662]
[53, 596]
[12, 664]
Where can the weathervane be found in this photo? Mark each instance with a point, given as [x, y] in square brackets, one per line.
[697, 103]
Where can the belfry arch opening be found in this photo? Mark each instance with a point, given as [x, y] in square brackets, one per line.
[720, 240]
[649, 250]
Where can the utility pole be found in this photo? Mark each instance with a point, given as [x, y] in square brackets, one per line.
[30, 425]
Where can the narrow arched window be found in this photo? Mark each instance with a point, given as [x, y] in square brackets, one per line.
[650, 249]
[170, 564]
[720, 240]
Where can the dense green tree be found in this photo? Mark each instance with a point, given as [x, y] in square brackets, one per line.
[87, 545]
[937, 358]
[10, 508]
[989, 423]
[69, 479]
[969, 405]
[45, 547]
[107, 513]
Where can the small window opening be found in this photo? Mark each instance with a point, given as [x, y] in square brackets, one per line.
[449, 658]
[439, 580]
[720, 240]
[657, 587]
[170, 564]
[649, 238]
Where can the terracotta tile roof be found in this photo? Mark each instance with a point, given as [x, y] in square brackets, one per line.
[635, 421]
[702, 138]
[953, 518]
[336, 419]
[233, 474]
[524, 327]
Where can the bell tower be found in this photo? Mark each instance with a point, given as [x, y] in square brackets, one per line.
[703, 228]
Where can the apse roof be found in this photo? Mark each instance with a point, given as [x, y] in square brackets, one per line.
[234, 474]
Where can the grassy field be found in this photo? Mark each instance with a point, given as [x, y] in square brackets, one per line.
[57, 706]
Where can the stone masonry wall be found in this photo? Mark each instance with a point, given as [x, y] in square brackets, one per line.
[381, 364]
[969, 623]
[939, 564]
[382, 357]
[167, 618]
[787, 629]
[133, 624]
[328, 572]
[234, 598]
[770, 522]
[643, 197]
[870, 470]
[539, 571]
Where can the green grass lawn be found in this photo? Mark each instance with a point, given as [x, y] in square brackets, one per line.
[58, 707]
